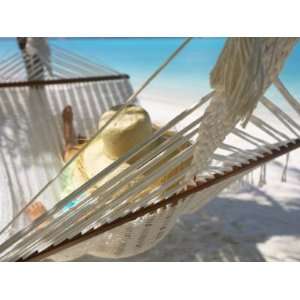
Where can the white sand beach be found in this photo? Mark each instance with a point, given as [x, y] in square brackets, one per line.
[250, 224]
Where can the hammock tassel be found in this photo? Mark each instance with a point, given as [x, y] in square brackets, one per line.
[263, 175]
[284, 172]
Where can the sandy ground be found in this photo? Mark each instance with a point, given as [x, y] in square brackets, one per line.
[254, 224]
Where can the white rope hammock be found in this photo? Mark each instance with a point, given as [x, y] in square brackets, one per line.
[104, 202]
[64, 64]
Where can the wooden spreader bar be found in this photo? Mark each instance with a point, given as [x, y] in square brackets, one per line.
[39, 83]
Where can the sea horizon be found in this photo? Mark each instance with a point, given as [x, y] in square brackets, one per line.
[182, 82]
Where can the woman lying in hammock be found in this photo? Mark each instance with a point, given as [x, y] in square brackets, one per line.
[132, 127]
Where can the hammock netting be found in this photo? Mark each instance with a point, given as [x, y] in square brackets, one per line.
[64, 65]
[218, 141]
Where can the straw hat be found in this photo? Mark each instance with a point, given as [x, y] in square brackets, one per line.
[131, 127]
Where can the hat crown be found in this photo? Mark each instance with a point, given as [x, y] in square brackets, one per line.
[130, 128]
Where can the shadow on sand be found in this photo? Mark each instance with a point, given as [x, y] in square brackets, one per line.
[227, 229]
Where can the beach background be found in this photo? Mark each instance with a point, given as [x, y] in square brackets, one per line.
[182, 82]
[255, 223]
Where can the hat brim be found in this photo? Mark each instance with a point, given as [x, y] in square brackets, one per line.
[93, 160]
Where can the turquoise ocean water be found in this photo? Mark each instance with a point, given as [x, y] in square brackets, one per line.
[185, 79]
